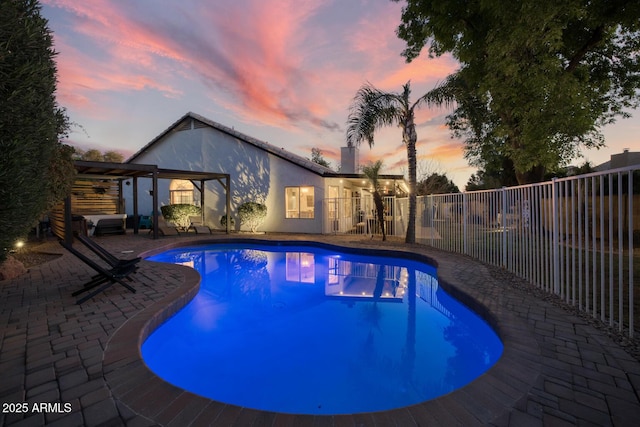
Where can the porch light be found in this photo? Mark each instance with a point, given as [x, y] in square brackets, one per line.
[19, 244]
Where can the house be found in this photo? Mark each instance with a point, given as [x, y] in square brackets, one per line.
[620, 160]
[301, 196]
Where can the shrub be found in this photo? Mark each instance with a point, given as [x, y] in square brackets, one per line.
[223, 221]
[252, 214]
[33, 161]
[179, 214]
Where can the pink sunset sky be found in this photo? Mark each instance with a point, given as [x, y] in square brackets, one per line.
[283, 71]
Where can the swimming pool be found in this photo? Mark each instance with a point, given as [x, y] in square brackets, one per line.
[309, 330]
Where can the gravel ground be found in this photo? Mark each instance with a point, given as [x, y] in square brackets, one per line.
[32, 253]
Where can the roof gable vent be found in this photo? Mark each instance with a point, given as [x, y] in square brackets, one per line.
[197, 124]
[189, 123]
[184, 125]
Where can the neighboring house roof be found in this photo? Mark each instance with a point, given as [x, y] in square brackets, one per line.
[603, 166]
[620, 160]
[279, 152]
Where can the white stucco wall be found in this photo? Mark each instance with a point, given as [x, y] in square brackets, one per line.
[256, 175]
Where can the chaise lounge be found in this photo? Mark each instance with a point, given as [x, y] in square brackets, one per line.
[198, 226]
[105, 277]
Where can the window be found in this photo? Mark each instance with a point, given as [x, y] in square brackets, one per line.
[300, 267]
[181, 192]
[299, 202]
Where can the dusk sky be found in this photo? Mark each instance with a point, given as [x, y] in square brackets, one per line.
[283, 71]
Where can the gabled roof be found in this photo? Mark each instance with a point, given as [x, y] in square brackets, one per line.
[279, 152]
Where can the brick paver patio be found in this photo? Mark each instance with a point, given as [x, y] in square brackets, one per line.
[67, 365]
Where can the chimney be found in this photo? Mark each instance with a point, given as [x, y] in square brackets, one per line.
[349, 161]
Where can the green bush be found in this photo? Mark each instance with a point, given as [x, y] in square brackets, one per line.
[179, 214]
[35, 168]
[252, 214]
[223, 221]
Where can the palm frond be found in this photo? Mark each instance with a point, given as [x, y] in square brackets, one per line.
[371, 109]
[445, 93]
[372, 172]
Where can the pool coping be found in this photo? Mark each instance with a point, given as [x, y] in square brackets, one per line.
[488, 399]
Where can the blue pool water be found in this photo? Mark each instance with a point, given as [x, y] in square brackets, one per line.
[305, 330]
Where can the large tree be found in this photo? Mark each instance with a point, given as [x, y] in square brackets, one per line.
[436, 183]
[317, 157]
[35, 168]
[372, 109]
[538, 78]
[94, 155]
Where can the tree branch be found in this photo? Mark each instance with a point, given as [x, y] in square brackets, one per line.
[593, 41]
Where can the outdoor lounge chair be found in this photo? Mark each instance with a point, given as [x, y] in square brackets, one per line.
[166, 229]
[198, 226]
[107, 256]
[105, 277]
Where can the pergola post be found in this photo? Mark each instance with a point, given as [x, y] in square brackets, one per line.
[155, 203]
[228, 193]
[136, 222]
[68, 231]
[202, 219]
[121, 207]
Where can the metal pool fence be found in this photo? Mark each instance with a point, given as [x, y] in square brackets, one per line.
[574, 237]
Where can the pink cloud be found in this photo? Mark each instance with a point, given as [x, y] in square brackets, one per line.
[262, 61]
[272, 63]
[84, 81]
[120, 60]
[444, 152]
[430, 71]
[116, 29]
[379, 48]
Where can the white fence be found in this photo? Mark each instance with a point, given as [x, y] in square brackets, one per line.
[573, 237]
[357, 215]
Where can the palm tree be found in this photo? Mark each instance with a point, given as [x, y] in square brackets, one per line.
[372, 171]
[371, 109]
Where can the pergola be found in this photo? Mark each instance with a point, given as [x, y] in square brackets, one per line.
[125, 171]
